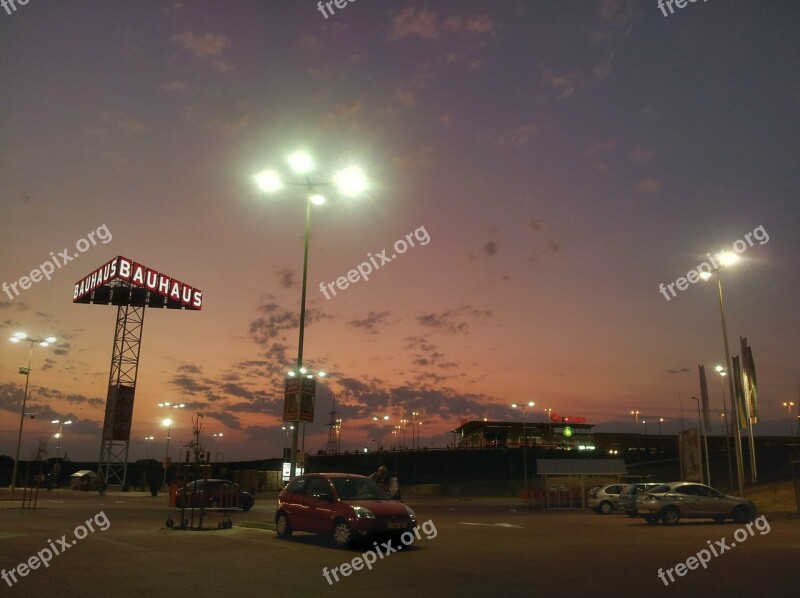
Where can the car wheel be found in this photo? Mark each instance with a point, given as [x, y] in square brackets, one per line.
[741, 514]
[719, 519]
[170, 523]
[342, 534]
[606, 507]
[670, 516]
[282, 526]
[651, 519]
[247, 506]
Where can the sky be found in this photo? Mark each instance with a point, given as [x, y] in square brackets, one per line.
[553, 162]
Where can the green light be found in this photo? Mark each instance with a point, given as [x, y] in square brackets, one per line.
[567, 431]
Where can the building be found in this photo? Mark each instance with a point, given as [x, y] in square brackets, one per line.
[561, 433]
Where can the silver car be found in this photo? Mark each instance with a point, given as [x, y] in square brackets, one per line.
[671, 502]
[604, 499]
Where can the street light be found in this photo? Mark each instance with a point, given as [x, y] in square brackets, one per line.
[636, 415]
[728, 259]
[524, 444]
[58, 434]
[660, 421]
[789, 405]
[726, 424]
[380, 430]
[414, 415]
[217, 436]
[705, 440]
[22, 337]
[167, 423]
[350, 181]
[404, 422]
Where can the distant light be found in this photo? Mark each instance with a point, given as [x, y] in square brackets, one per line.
[68, 422]
[705, 275]
[20, 335]
[351, 181]
[321, 374]
[269, 181]
[290, 373]
[166, 422]
[303, 370]
[719, 368]
[55, 421]
[301, 162]
[14, 339]
[726, 258]
[50, 339]
[317, 199]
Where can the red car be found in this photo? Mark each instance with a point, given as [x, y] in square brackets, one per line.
[342, 505]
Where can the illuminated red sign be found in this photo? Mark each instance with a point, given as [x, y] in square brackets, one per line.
[562, 419]
[97, 288]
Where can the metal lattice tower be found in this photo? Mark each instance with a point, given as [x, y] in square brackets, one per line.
[121, 390]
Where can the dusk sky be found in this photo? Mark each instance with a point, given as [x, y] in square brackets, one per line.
[563, 159]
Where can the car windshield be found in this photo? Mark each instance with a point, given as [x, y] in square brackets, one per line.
[358, 489]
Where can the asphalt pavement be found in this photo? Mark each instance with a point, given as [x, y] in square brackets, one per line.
[490, 547]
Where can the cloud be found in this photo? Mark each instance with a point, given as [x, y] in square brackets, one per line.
[371, 322]
[680, 371]
[642, 155]
[517, 137]
[286, 278]
[207, 44]
[447, 321]
[473, 24]
[536, 225]
[648, 185]
[229, 128]
[132, 125]
[411, 21]
[175, 86]
[490, 248]
[603, 68]
[564, 84]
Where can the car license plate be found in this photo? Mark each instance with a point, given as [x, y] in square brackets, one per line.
[396, 525]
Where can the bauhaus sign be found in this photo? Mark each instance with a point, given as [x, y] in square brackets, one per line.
[122, 281]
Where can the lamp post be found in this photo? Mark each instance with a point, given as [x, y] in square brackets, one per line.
[524, 444]
[644, 421]
[167, 422]
[636, 415]
[414, 415]
[351, 182]
[789, 406]
[726, 424]
[22, 337]
[701, 423]
[58, 438]
[660, 421]
[728, 259]
[338, 428]
[217, 436]
[403, 422]
[380, 429]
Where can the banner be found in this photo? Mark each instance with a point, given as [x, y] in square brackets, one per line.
[690, 455]
[737, 388]
[704, 398]
[749, 384]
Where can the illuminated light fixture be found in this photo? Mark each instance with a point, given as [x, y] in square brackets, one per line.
[317, 199]
[351, 181]
[301, 162]
[269, 181]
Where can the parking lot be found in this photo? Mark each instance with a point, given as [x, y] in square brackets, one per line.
[488, 546]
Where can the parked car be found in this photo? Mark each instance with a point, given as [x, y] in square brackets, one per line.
[604, 499]
[214, 494]
[671, 502]
[345, 506]
[627, 498]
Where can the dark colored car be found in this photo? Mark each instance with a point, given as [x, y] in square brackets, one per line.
[214, 494]
[345, 506]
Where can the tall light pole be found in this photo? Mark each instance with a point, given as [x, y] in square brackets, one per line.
[403, 422]
[22, 337]
[524, 443]
[58, 438]
[351, 182]
[338, 436]
[414, 415]
[167, 423]
[380, 429]
[728, 259]
[217, 436]
[701, 423]
[726, 424]
[789, 405]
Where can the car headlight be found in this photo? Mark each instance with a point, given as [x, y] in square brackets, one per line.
[363, 513]
[411, 513]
